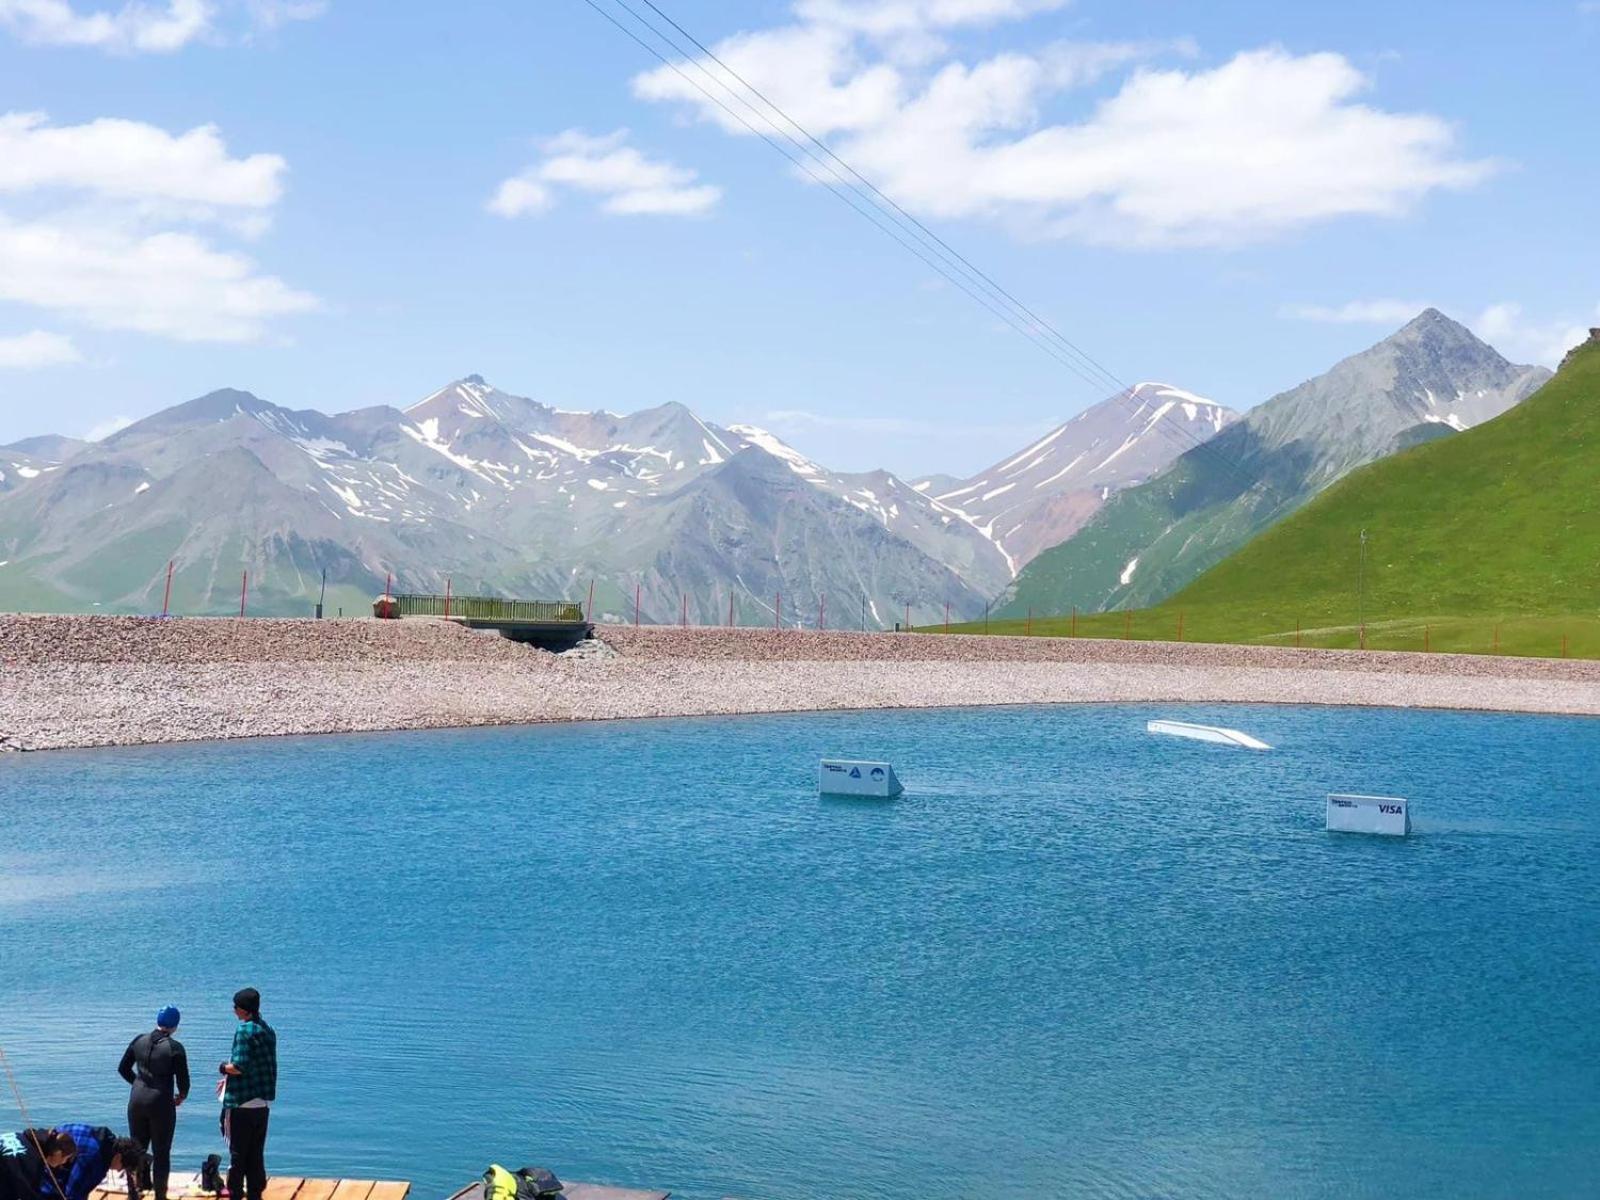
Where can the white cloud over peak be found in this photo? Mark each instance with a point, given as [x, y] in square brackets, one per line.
[1504, 325]
[116, 224]
[132, 28]
[145, 27]
[1243, 151]
[131, 160]
[101, 430]
[1359, 312]
[27, 351]
[628, 182]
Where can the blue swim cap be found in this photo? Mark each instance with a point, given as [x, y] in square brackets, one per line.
[168, 1017]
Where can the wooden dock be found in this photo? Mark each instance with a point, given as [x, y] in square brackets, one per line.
[184, 1186]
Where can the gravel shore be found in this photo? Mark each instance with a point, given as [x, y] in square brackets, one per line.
[108, 681]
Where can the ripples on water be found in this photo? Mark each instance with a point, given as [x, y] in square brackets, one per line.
[1073, 961]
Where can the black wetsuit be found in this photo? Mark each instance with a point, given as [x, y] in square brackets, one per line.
[22, 1167]
[157, 1066]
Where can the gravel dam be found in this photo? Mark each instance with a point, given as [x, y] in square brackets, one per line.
[114, 681]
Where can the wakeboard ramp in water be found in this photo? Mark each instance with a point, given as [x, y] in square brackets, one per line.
[1207, 733]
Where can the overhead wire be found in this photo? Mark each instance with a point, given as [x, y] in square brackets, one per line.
[912, 234]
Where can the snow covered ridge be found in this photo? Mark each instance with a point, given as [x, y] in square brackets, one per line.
[1041, 496]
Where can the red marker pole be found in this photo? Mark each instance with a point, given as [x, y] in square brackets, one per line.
[166, 599]
[244, 592]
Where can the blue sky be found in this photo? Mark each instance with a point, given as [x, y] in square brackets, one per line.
[349, 203]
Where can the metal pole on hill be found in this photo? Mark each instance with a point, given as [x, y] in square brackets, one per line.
[589, 612]
[637, 588]
[1361, 590]
[166, 598]
[447, 598]
[947, 616]
[777, 612]
[322, 596]
[244, 592]
[730, 610]
[822, 612]
[986, 604]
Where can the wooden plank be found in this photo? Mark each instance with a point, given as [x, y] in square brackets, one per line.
[353, 1189]
[317, 1189]
[385, 1191]
[282, 1187]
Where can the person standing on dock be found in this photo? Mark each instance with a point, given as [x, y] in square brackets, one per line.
[157, 1068]
[248, 1087]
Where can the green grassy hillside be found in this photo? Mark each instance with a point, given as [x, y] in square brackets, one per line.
[1489, 539]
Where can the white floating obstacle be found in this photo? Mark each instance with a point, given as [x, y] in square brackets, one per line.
[1207, 733]
[845, 777]
[1387, 815]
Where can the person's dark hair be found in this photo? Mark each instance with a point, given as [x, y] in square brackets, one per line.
[53, 1141]
[249, 1000]
[132, 1155]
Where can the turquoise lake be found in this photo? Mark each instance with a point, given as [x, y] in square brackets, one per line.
[1074, 960]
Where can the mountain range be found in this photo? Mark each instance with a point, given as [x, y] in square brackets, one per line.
[496, 492]
[1428, 380]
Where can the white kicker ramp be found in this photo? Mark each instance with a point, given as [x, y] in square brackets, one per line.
[845, 777]
[1389, 815]
[1206, 733]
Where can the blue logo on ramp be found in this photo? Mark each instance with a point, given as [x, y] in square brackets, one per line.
[855, 772]
[877, 772]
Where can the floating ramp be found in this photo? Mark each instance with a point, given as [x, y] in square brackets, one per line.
[1388, 816]
[1207, 733]
[848, 777]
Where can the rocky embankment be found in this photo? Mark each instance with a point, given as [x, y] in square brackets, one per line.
[103, 681]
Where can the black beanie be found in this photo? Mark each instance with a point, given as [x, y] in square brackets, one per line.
[248, 999]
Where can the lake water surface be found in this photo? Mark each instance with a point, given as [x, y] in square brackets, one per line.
[1073, 961]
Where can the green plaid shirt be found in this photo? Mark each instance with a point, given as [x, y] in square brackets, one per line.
[255, 1053]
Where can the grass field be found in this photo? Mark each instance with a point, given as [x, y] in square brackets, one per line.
[1485, 542]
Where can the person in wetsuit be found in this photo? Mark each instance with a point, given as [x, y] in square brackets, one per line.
[157, 1067]
[100, 1151]
[28, 1156]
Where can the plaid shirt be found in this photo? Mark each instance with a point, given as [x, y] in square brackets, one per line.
[255, 1053]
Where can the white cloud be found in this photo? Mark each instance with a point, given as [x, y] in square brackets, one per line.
[131, 160]
[99, 225]
[1265, 143]
[133, 28]
[630, 183]
[1504, 326]
[27, 351]
[169, 283]
[1359, 312]
[145, 27]
[101, 430]
[1508, 330]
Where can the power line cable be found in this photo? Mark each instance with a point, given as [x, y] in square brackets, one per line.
[933, 250]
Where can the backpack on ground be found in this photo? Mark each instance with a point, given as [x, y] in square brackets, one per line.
[530, 1183]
